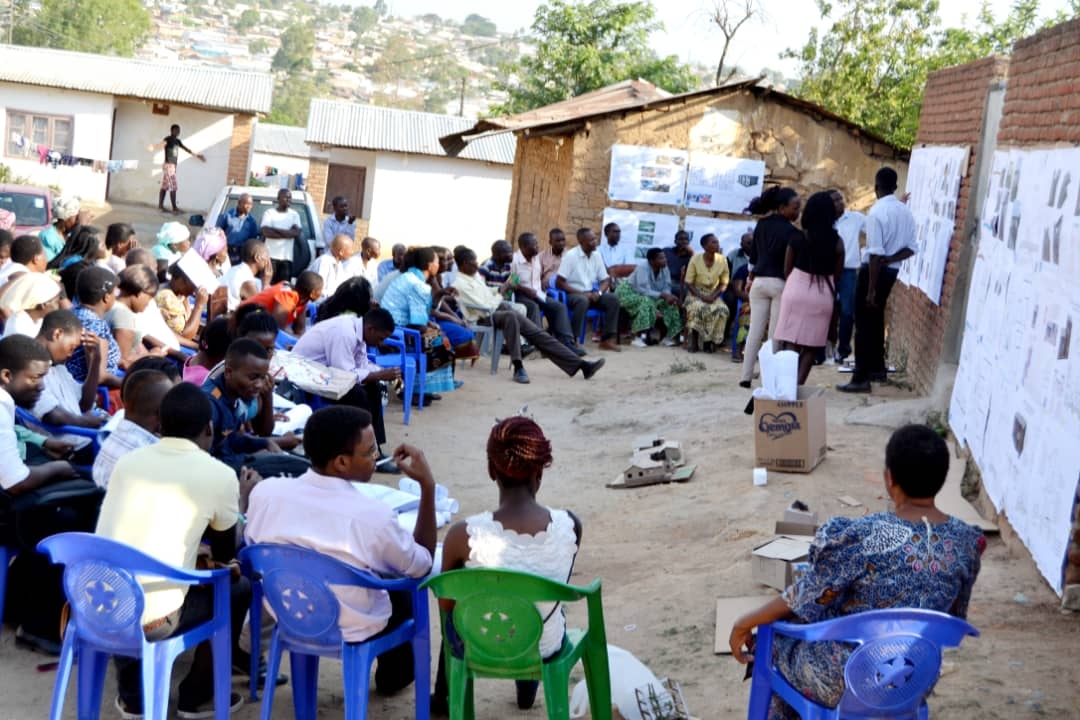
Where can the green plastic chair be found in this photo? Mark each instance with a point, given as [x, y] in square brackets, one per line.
[495, 614]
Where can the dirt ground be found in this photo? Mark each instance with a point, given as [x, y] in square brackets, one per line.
[665, 553]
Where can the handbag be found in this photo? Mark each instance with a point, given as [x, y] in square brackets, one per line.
[436, 347]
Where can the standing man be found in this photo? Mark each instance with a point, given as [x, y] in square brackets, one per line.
[172, 144]
[239, 226]
[584, 279]
[617, 255]
[367, 264]
[552, 257]
[890, 239]
[281, 228]
[851, 227]
[530, 292]
[340, 223]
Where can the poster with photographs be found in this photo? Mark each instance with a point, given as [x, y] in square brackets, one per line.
[1016, 397]
[729, 232]
[723, 184]
[643, 229]
[647, 174]
[934, 184]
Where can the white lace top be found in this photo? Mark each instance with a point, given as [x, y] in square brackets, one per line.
[549, 553]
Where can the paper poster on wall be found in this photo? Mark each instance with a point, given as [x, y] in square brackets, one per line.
[723, 184]
[1016, 398]
[647, 174]
[729, 232]
[934, 183]
[643, 229]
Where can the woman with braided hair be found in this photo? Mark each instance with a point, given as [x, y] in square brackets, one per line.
[521, 534]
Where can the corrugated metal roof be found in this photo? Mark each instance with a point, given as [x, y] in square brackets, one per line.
[181, 83]
[367, 127]
[280, 140]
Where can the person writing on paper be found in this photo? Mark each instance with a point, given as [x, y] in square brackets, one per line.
[320, 510]
[342, 342]
[182, 317]
[912, 557]
[521, 534]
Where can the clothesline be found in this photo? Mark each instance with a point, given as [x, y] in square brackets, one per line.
[54, 158]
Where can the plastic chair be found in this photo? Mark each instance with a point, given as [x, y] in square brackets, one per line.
[284, 341]
[490, 336]
[495, 614]
[106, 619]
[26, 419]
[7, 554]
[888, 675]
[308, 629]
[401, 359]
[413, 343]
[596, 316]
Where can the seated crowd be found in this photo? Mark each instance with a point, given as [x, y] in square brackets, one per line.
[190, 465]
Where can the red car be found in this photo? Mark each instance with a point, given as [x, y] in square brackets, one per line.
[32, 207]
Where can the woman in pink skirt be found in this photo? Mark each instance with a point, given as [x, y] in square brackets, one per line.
[812, 267]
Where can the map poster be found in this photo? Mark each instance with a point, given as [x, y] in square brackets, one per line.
[643, 229]
[729, 232]
[647, 174]
[723, 184]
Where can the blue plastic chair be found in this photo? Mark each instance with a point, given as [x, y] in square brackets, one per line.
[106, 619]
[596, 316]
[411, 343]
[296, 582]
[26, 419]
[889, 674]
[284, 341]
[403, 359]
[7, 554]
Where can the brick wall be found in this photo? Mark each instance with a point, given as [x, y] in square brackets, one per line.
[318, 170]
[539, 186]
[1042, 105]
[953, 112]
[240, 149]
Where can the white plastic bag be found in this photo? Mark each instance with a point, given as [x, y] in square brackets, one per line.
[627, 674]
[779, 374]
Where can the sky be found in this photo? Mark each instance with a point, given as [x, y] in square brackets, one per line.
[687, 29]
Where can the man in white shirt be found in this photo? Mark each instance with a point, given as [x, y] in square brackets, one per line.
[366, 263]
[584, 278]
[321, 510]
[161, 500]
[142, 394]
[338, 223]
[280, 227]
[530, 292]
[247, 278]
[890, 239]
[335, 266]
[618, 255]
[851, 226]
[27, 255]
[479, 302]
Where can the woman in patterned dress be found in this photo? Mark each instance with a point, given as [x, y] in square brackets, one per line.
[912, 557]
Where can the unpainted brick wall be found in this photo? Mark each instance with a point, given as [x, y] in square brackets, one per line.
[953, 112]
[240, 149]
[540, 186]
[318, 170]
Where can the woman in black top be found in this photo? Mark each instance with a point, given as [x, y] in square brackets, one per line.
[772, 236]
[813, 263]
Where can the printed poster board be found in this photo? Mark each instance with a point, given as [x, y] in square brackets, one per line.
[643, 229]
[647, 174]
[723, 184]
[729, 232]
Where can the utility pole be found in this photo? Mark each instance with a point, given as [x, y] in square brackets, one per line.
[461, 100]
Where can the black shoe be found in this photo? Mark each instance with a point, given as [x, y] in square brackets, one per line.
[206, 709]
[878, 377]
[527, 350]
[745, 384]
[439, 706]
[588, 369]
[33, 642]
[575, 348]
[521, 377]
[855, 387]
[526, 693]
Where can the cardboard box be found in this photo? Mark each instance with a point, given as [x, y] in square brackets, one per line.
[772, 563]
[800, 514]
[790, 436]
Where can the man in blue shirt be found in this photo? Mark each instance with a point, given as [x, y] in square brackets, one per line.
[239, 226]
[231, 394]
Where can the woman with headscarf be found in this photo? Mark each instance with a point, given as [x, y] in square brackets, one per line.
[27, 300]
[173, 240]
[212, 246]
[812, 267]
[65, 217]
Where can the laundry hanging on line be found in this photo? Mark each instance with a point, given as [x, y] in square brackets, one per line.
[55, 159]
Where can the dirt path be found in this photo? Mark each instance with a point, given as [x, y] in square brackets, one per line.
[666, 552]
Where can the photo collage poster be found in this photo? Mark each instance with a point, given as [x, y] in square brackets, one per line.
[933, 181]
[723, 184]
[728, 232]
[643, 229]
[647, 175]
[1016, 398]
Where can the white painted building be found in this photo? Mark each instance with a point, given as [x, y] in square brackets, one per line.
[96, 108]
[390, 166]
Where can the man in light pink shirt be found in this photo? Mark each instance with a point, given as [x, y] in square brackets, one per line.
[321, 510]
[531, 293]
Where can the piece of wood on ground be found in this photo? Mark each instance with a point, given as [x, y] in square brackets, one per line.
[849, 501]
[728, 611]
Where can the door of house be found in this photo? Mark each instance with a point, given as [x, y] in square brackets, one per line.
[348, 182]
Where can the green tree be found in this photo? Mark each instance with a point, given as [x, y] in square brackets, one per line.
[380, 8]
[363, 19]
[258, 46]
[479, 25]
[583, 47]
[394, 62]
[107, 27]
[248, 19]
[297, 47]
[292, 97]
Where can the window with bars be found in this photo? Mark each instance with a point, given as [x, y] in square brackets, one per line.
[25, 129]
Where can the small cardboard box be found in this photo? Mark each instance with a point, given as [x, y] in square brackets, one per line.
[789, 436]
[800, 514]
[771, 563]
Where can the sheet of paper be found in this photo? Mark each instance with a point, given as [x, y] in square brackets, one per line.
[723, 184]
[198, 271]
[647, 174]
